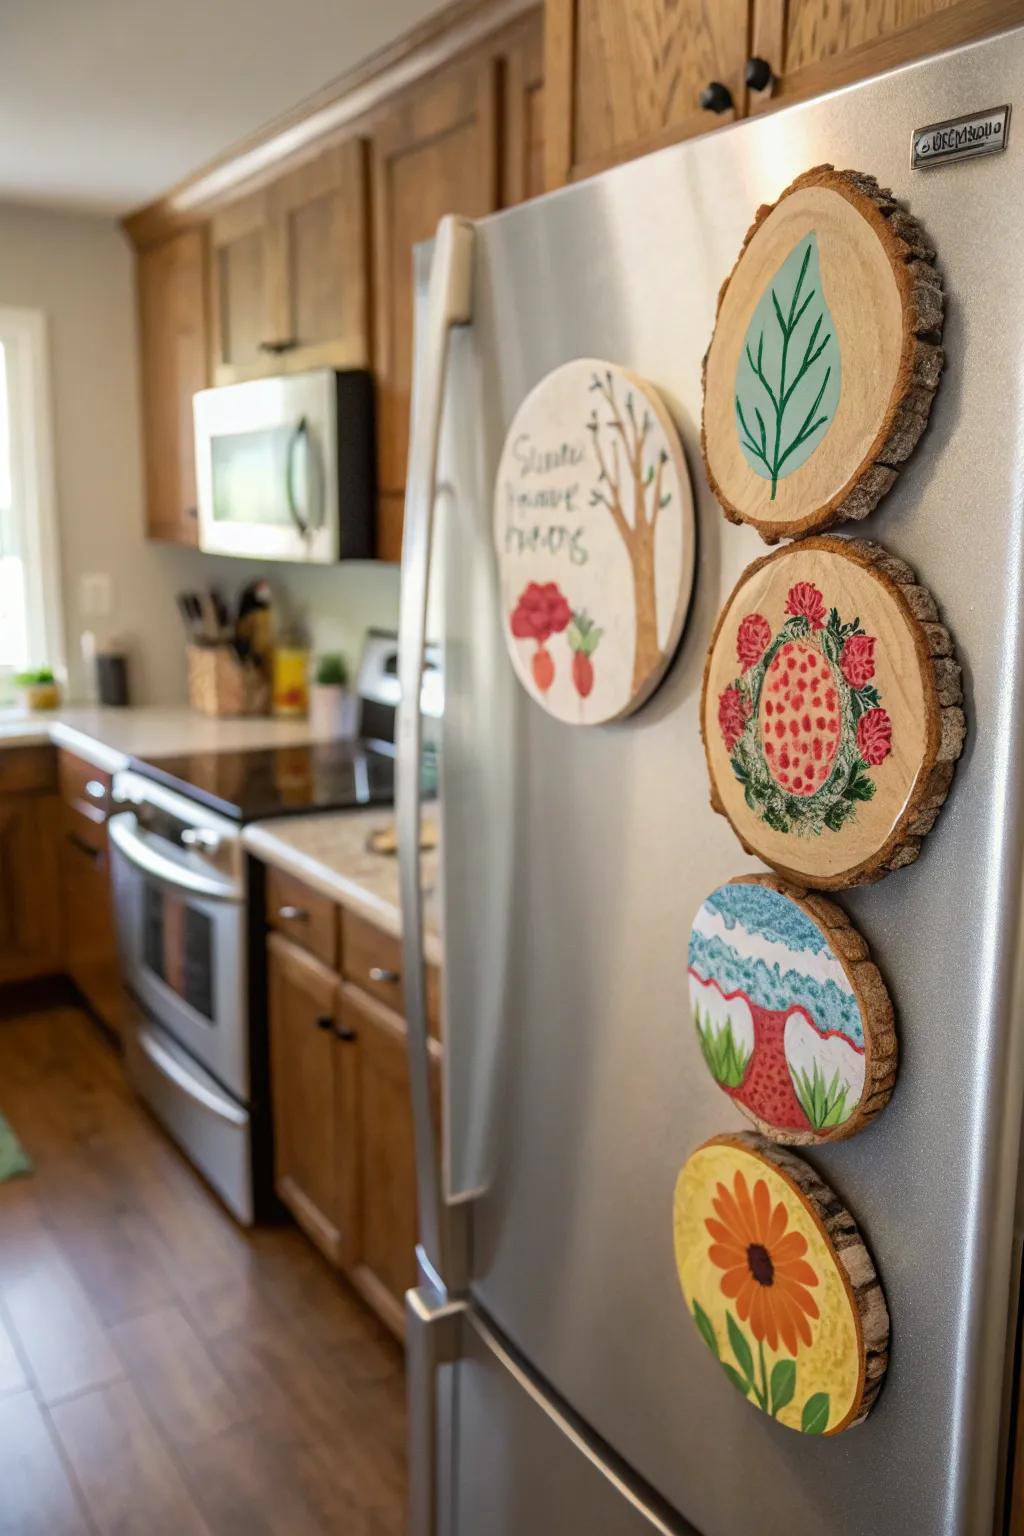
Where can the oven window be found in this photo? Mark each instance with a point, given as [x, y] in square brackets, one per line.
[250, 476]
[177, 946]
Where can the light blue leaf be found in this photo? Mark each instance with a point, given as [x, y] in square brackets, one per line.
[789, 375]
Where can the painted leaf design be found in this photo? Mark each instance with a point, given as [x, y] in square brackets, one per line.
[736, 1379]
[814, 1420]
[783, 1384]
[740, 1348]
[789, 373]
[706, 1327]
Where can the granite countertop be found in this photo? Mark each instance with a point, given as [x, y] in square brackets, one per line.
[329, 852]
[108, 737]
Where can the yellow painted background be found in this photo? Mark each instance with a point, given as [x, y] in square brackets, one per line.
[832, 1363]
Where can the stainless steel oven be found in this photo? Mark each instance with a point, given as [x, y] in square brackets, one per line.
[180, 898]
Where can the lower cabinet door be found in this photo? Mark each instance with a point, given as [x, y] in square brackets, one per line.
[307, 1150]
[386, 1161]
[514, 1458]
[90, 936]
[30, 936]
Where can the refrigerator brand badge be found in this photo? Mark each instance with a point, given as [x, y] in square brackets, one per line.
[961, 138]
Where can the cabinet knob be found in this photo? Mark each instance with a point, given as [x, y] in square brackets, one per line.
[758, 74]
[716, 97]
[290, 914]
[325, 1021]
[380, 973]
[95, 790]
[344, 1034]
[276, 347]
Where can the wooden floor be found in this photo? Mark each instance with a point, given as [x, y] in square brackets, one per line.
[162, 1372]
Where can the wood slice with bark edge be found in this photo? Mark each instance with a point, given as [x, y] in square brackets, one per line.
[945, 725]
[881, 1052]
[854, 1263]
[911, 258]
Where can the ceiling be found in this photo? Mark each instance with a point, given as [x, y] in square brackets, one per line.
[104, 104]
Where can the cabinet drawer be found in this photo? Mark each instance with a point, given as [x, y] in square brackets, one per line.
[84, 786]
[372, 959]
[308, 918]
[81, 832]
[26, 768]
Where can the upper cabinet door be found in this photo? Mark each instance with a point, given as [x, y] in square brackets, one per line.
[174, 347]
[626, 79]
[434, 153]
[243, 343]
[523, 116]
[815, 45]
[318, 285]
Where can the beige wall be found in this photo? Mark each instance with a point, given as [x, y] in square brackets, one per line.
[78, 270]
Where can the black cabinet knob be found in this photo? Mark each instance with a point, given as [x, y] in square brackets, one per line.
[716, 97]
[345, 1034]
[758, 74]
[325, 1021]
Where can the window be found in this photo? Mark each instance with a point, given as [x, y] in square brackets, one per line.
[30, 629]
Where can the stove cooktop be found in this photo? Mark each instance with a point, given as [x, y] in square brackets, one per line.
[281, 781]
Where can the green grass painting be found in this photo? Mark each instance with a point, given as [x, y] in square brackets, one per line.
[726, 1058]
[824, 1103]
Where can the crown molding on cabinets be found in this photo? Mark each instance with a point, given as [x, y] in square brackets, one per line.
[351, 98]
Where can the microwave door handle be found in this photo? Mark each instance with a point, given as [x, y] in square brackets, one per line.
[449, 303]
[299, 436]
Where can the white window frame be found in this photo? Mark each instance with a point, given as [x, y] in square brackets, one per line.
[24, 335]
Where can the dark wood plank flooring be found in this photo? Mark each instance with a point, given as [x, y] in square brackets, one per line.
[162, 1371]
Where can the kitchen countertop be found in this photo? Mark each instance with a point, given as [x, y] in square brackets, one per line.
[329, 853]
[108, 738]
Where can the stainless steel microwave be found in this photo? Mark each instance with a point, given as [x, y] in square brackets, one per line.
[284, 467]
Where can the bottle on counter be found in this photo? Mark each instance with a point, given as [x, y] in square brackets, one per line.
[290, 693]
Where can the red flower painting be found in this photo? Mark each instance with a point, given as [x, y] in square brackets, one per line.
[857, 661]
[541, 612]
[752, 639]
[733, 714]
[874, 736]
[806, 602]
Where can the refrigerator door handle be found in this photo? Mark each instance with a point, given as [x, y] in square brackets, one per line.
[449, 303]
[433, 1337]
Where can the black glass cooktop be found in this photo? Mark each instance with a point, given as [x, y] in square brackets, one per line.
[281, 781]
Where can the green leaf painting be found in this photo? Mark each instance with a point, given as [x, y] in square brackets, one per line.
[783, 1385]
[726, 1057]
[788, 376]
[814, 1419]
[707, 1331]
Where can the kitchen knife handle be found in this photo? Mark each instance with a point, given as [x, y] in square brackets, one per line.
[449, 303]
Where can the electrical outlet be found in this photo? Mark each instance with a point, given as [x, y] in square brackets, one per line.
[95, 595]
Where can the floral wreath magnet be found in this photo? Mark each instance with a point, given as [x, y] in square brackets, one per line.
[780, 1284]
[594, 536]
[831, 711]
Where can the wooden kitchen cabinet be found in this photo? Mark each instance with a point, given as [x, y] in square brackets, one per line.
[622, 79]
[30, 931]
[86, 892]
[814, 46]
[434, 152]
[312, 1144]
[386, 1160]
[289, 271]
[173, 338]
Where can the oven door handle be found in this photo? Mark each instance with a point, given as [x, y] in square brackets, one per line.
[164, 1062]
[123, 833]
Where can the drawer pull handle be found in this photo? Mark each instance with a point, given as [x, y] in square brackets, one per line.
[345, 1035]
[292, 914]
[325, 1021]
[81, 846]
[381, 973]
[95, 790]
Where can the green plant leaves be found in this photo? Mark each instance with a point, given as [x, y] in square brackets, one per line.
[740, 1347]
[736, 1379]
[824, 1103]
[705, 1328]
[726, 1057]
[788, 378]
[814, 1419]
[782, 1385]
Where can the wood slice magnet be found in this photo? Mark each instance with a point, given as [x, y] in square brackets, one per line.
[794, 1021]
[831, 712]
[594, 531]
[825, 356]
[780, 1285]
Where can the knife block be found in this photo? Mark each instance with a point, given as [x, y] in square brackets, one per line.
[219, 684]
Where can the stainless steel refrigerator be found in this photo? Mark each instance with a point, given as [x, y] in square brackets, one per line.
[557, 1382]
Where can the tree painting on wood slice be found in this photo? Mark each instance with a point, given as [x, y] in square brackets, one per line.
[831, 711]
[593, 527]
[780, 1285]
[794, 1021]
[825, 356]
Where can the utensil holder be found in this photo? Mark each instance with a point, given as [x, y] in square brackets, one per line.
[219, 684]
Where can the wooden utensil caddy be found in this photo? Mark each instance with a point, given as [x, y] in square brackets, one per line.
[220, 684]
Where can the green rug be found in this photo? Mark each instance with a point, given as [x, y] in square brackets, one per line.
[14, 1160]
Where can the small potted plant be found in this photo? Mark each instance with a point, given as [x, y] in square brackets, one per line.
[38, 689]
[332, 708]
